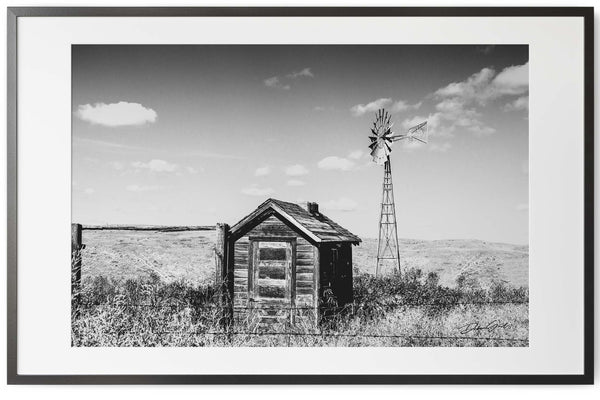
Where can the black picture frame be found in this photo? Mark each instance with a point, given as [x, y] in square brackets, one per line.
[14, 13]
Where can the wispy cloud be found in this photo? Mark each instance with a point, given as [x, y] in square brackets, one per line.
[486, 49]
[394, 106]
[401, 105]
[255, 190]
[295, 182]
[126, 148]
[106, 144]
[486, 85]
[156, 166]
[262, 171]
[336, 163]
[142, 188]
[341, 204]
[161, 166]
[296, 170]
[362, 109]
[275, 82]
[283, 82]
[303, 73]
[116, 114]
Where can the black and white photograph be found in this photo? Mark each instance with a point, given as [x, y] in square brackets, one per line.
[300, 195]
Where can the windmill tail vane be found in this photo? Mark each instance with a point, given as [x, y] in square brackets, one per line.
[382, 138]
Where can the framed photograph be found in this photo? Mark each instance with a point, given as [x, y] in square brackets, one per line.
[300, 195]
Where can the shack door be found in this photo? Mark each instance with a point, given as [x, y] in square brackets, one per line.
[271, 296]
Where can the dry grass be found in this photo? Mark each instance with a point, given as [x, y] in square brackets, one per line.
[485, 261]
[408, 310]
[132, 255]
[154, 289]
[190, 256]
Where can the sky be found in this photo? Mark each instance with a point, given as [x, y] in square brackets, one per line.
[194, 135]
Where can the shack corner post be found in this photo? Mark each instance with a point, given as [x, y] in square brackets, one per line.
[224, 274]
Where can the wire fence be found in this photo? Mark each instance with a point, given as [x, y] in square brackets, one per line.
[341, 335]
[407, 304]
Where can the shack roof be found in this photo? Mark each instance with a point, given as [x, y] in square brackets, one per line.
[315, 225]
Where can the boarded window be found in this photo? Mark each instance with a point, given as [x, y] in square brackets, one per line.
[272, 261]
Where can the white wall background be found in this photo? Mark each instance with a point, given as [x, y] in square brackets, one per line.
[149, 393]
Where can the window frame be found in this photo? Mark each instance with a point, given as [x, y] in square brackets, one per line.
[253, 269]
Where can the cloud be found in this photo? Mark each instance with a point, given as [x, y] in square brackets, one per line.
[306, 72]
[341, 204]
[295, 182]
[356, 154]
[486, 49]
[459, 102]
[262, 171]
[89, 191]
[397, 106]
[362, 109]
[336, 163]
[116, 114]
[255, 190]
[522, 103]
[274, 82]
[402, 105]
[522, 207]
[156, 166]
[486, 85]
[296, 170]
[513, 80]
[475, 87]
[142, 188]
[278, 82]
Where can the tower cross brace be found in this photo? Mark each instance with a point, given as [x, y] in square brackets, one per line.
[387, 248]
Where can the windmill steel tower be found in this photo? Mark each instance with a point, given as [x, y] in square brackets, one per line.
[382, 138]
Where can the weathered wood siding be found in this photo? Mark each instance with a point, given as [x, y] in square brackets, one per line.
[304, 293]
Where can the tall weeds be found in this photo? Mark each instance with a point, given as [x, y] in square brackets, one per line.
[396, 310]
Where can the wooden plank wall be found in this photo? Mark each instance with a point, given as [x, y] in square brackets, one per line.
[306, 254]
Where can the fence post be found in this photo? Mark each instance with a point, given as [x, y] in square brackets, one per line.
[76, 247]
[222, 273]
[221, 250]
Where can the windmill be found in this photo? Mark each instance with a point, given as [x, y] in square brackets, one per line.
[381, 147]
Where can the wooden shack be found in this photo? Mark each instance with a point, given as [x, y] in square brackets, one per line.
[285, 264]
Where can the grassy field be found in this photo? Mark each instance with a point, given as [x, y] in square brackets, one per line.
[190, 256]
[155, 289]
